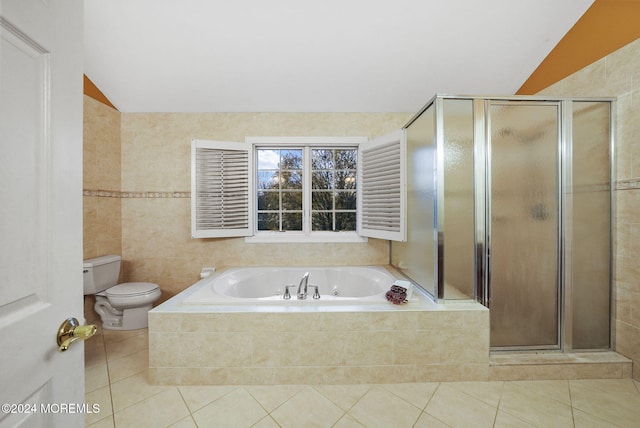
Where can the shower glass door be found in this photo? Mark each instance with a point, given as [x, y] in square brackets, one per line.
[523, 230]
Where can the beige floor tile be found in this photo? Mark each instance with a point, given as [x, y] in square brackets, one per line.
[428, 421]
[102, 397]
[381, 408]
[343, 396]
[126, 346]
[102, 423]
[505, 420]
[417, 394]
[459, 409]
[266, 422]
[94, 352]
[119, 335]
[134, 389]
[488, 392]
[555, 389]
[585, 420]
[348, 421]
[124, 367]
[307, 408]
[236, 409]
[187, 422]
[271, 397]
[529, 405]
[161, 410]
[198, 396]
[96, 377]
[596, 403]
[613, 400]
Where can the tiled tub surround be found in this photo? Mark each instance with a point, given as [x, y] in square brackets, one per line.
[415, 342]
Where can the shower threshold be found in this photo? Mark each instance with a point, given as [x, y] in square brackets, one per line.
[558, 365]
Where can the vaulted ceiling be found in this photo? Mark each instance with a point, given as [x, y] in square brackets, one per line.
[322, 56]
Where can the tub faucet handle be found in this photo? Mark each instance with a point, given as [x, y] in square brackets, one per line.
[287, 294]
[316, 294]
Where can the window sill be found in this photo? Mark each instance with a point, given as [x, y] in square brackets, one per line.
[314, 238]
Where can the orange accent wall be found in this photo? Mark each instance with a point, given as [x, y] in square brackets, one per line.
[92, 91]
[605, 27]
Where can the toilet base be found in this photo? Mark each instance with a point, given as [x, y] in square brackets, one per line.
[130, 319]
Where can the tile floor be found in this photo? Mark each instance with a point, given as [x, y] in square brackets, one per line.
[116, 378]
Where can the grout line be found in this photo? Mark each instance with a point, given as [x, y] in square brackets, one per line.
[495, 418]
[573, 416]
[188, 408]
[113, 411]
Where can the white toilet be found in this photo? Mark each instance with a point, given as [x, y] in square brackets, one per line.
[122, 306]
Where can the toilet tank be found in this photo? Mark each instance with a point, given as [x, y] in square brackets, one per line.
[101, 273]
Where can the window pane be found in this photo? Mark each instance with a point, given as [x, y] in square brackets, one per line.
[268, 201]
[291, 201]
[322, 221]
[291, 180]
[322, 201]
[345, 200]
[345, 221]
[268, 180]
[346, 159]
[268, 159]
[291, 159]
[268, 221]
[322, 180]
[345, 180]
[292, 221]
[322, 159]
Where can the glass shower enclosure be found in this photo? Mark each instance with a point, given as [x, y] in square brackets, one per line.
[509, 203]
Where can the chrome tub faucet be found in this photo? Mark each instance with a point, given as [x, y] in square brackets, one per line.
[302, 292]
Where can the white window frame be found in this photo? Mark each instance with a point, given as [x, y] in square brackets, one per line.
[307, 144]
[376, 183]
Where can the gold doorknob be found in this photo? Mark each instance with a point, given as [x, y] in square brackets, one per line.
[70, 331]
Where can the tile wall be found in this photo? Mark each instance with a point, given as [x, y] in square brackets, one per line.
[618, 74]
[319, 347]
[101, 180]
[156, 147]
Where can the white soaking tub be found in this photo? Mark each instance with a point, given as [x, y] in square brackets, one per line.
[266, 286]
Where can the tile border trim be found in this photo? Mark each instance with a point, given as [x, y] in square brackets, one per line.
[144, 195]
[628, 184]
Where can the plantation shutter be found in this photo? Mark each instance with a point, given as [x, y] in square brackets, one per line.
[382, 186]
[220, 180]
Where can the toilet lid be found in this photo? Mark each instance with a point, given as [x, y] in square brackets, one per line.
[131, 289]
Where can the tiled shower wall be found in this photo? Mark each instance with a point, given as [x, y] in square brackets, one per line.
[618, 74]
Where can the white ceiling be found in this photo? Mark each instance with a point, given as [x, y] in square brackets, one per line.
[315, 55]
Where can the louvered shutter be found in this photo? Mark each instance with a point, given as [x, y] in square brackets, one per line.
[382, 186]
[220, 184]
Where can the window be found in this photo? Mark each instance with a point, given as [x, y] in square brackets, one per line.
[333, 189]
[306, 187]
[279, 189]
[299, 189]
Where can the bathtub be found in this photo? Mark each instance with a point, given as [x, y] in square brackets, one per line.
[339, 285]
[234, 327]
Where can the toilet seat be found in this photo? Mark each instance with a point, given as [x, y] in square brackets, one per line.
[131, 289]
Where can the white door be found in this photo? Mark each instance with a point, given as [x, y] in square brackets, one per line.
[40, 211]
